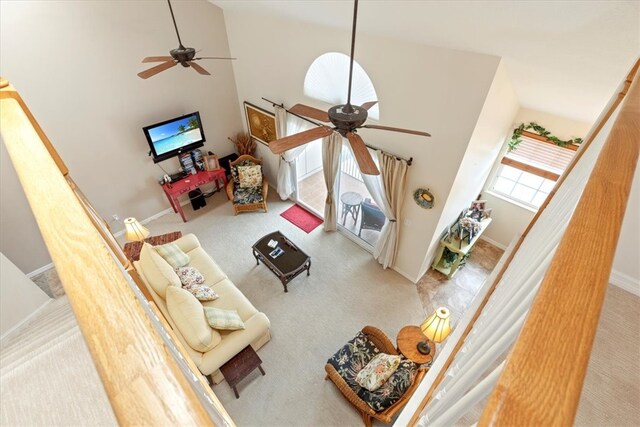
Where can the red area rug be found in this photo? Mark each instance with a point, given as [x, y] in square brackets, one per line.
[301, 218]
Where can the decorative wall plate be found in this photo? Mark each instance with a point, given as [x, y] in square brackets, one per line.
[424, 198]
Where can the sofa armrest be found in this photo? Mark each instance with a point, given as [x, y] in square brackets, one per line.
[233, 343]
[188, 242]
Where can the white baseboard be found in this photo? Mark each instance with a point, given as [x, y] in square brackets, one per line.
[33, 314]
[625, 282]
[493, 242]
[406, 275]
[40, 270]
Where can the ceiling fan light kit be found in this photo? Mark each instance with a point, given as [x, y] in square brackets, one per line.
[346, 119]
[184, 56]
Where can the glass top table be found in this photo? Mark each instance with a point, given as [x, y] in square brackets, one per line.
[287, 265]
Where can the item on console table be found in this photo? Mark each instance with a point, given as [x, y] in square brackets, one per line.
[196, 157]
[187, 163]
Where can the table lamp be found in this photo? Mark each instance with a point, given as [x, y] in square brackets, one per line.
[436, 328]
[134, 231]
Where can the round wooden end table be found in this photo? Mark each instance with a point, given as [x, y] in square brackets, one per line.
[408, 339]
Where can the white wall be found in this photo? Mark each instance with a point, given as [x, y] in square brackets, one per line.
[19, 296]
[438, 90]
[509, 219]
[75, 64]
[494, 123]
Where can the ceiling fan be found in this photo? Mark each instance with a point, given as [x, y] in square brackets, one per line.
[346, 119]
[184, 56]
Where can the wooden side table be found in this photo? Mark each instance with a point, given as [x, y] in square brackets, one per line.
[132, 249]
[241, 365]
[408, 339]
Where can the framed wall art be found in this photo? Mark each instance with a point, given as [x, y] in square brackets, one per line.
[261, 123]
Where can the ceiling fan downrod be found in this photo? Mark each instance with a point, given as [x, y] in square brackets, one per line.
[175, 25]
[348, 108]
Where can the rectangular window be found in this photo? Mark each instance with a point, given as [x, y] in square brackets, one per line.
[528, 173]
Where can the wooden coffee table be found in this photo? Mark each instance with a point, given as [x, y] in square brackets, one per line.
[132, 249]
[288, 265]
[242, 364]
[408, 339]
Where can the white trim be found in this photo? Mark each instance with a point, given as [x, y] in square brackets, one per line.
[512, 201]
[406, 275]
[29, 317]
[625, 282]
[493, 242]
[40, 270]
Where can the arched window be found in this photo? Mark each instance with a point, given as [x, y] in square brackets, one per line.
[328, 80]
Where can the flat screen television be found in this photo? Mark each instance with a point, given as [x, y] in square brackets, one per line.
[172, 137]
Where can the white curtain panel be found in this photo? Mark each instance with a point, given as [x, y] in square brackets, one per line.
[288, 124]
[387, 190]
[331, 149]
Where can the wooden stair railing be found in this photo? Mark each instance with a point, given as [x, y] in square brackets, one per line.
[543, 387]
[146, 377]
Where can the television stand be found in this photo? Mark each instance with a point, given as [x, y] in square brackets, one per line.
[173, 190]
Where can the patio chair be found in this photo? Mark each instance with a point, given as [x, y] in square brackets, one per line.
[372, 217]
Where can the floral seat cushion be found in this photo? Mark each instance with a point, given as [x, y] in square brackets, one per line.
[354, 356]
[245, 196]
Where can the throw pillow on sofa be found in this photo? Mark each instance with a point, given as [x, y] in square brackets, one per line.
[173, 255]
[223, 319]
[377, 371]
[202, 292]
[188, 315]
[189, 276]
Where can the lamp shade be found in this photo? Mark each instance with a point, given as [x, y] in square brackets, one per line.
[437, 327]
[134, 231]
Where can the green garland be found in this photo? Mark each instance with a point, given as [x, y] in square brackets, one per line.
[517, 134]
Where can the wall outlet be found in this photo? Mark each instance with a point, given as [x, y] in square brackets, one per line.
[115, 217]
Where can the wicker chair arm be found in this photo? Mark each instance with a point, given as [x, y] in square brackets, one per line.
[229, 188]
[380, 340]
[265, 187]
[346, 391]
[388, 414]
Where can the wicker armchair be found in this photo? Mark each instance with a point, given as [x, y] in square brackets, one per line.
[246, 200]
[383, 344]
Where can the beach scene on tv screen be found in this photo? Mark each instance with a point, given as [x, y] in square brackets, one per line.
[175, 134]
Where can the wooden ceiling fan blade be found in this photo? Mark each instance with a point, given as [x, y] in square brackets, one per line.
[199, 68]
[362, 155]
[288, 142]
[212, 57]
[367, 105]
[413, 132]
[155, 70]
[157, 59]
[314, 113]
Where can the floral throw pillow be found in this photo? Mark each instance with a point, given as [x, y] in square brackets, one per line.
[377, 371]
[250, 176]
[189, 276]
[202, 292]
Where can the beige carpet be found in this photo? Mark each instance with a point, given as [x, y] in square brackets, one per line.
[346, 290]
[47, 376]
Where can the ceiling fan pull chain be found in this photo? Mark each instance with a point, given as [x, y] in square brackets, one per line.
[348, 107]
[174, 23]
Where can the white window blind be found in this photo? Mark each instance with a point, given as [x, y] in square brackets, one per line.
[539, 158]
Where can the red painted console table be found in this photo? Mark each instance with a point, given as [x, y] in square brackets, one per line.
[175, 189]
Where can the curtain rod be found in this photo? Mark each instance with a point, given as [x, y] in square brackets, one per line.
[281, 105]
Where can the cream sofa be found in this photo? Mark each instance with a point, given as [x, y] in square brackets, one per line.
[208, 347]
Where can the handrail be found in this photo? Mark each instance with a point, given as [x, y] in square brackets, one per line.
[142, 379]
[543, 387]
[615, 102]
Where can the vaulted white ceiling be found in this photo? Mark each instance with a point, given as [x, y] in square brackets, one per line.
[564, 57]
